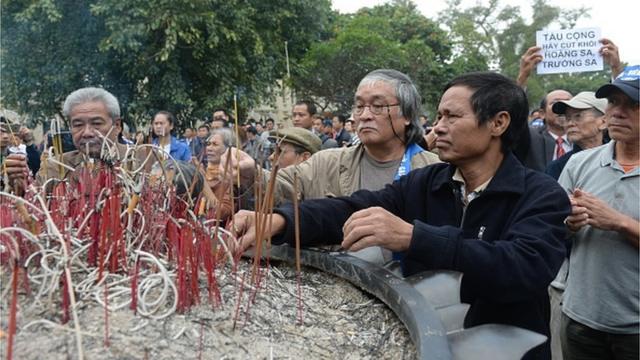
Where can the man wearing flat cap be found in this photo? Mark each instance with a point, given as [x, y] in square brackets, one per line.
[584, 124]
[601, 305]
[294, 145]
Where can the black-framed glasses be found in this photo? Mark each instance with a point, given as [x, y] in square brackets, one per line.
[375, 109]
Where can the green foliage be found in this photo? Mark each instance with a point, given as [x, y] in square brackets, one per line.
[388, 36]
[190, 56]
[185, 56]
[501, 35]
[45, 56]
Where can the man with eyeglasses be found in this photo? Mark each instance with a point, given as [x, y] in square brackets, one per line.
[482, 213]
[93, 115]
[549, 142]
[386, 112]
[585, 123]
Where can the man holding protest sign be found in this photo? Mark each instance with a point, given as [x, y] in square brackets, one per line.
[549, 142]
[532, 57]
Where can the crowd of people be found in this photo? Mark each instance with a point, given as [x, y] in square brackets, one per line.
[555, 253]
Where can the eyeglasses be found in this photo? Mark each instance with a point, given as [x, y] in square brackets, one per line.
[375, 109]
[579, 116]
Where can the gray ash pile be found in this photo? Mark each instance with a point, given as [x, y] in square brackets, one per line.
[339, 322]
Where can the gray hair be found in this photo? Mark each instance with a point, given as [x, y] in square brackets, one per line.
[228, 137]
[92, 94]
[408, 97]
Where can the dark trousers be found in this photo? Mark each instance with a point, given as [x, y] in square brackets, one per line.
[580, 342]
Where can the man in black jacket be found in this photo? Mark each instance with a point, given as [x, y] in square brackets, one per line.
[483, 213]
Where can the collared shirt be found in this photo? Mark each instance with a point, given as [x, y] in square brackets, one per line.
[602, 289]
[468, 197]
[566, 145]
[177, 149]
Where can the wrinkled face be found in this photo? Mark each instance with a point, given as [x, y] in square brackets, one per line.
[378, 129]
[583, 125]
[623, 120]
[161, 125]
[317, 125]
[287, 157]
[553, 97]
[215, 148]
[90, 122]
[301, 117]
[458, 137]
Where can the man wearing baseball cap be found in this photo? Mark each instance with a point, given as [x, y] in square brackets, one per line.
[294, 145]
[601, 305]
[585, 124]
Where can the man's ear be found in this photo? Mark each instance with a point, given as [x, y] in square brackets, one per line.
[500, 123]
[305, 155]
[602, 126]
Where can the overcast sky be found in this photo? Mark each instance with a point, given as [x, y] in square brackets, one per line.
[617, 19]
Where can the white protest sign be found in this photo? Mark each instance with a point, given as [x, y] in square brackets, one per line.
[573, 50]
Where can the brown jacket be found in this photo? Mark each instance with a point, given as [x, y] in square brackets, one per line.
[330, 173]
[50, 168]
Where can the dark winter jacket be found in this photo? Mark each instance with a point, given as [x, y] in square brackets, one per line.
[508, 243]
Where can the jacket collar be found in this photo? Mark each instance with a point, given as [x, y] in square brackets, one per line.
[510, 177]
[350, 180]
[172, 140]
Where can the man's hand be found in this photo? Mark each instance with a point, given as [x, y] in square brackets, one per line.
[16, 167]
[243, 227]
[578, 217]
[528, 62]
[611, 56]
[26, 135]
[600, 214]
[376, 227]
[239, 160]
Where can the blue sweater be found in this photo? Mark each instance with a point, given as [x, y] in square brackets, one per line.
[506, 270]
